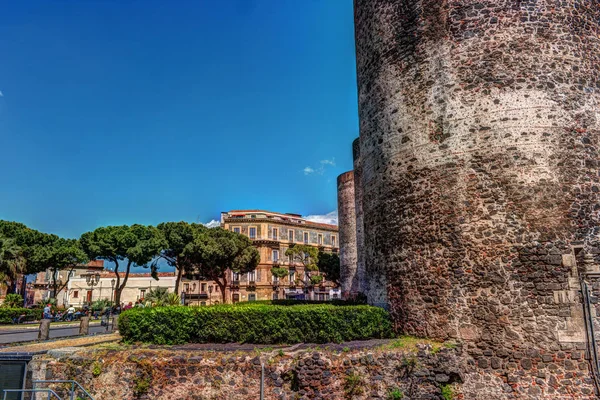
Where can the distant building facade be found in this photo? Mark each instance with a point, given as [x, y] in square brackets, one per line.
[80, 292]
[273, 233]
[41, 288]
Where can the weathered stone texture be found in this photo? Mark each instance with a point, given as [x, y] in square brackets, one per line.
[360, 226]
[347, 232]
[302, 374]
[479, 151]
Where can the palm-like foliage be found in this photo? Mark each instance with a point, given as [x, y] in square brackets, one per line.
[161, 297]
[12, 262]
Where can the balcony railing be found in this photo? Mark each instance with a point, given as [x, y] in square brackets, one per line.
[235, 283]
[196, 296]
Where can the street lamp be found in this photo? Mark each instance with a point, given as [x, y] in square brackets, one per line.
[92, 280]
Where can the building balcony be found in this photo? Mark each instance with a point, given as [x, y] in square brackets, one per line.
[196, 296]
[235, 284]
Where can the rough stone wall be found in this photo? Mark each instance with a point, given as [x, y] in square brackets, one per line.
[479, 147]
[347, 233]
[360, 231]
[121, 373]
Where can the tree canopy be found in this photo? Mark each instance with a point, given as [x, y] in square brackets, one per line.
[216, 250]
[279, 272]
[30, 242]
[304, 254]
[12, 262]
[135, 244]
[329, 264]
[179, 238]
[60, 254]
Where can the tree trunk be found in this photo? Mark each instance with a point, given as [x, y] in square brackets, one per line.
[11, 286]
[54, 285]
[222, 288]
[117, 286]
[178, 280]
[63, 287]
[120, 288]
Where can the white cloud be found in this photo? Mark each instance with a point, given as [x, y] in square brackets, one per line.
[320, 169]
[212, 224]
[329, 218]
[1, 94]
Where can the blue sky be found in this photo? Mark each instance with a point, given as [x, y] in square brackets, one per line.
[120, 112]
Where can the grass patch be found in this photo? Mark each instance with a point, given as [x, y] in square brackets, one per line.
[410, 343]
[395, 394]
[447, 392]
[353, 385]
[96, 369]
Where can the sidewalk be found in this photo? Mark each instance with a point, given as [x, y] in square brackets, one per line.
[16, 328]
[43, 347]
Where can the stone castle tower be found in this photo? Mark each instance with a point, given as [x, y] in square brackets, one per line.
[479, 179]
[347, 233]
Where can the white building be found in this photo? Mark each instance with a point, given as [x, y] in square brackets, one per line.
[80, 292]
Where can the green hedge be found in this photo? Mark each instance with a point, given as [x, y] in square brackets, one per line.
[291, 302]
[8, 314]
[254, 323]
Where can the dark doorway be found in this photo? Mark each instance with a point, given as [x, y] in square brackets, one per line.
[12, 376]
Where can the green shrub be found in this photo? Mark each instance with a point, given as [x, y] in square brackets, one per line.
[96, 369]
[8, 315]
[353, 385]
[100, 305]
[447, 392]
[395, 394]
[13, 300]
[254, 323]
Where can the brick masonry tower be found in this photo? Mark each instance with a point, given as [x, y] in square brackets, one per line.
[479, 125]
[347, 232]
[360, 231]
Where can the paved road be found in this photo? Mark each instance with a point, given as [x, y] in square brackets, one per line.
[12, 336]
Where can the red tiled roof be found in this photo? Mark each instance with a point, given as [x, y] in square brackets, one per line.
[111, 274]
[95, 264]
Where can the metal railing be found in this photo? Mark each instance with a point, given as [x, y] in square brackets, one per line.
[72, 392]
[49, 392]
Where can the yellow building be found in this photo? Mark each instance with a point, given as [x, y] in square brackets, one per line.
[272, 233]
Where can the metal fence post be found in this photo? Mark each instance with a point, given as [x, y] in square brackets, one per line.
[262, 381]
[44, 333]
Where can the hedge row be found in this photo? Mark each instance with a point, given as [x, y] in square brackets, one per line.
[291, 302]
[254, 323]
[7, 315]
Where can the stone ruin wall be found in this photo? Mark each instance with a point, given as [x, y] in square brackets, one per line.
[360, 231]
[347, 234]
[479, 153]
[123, 373]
